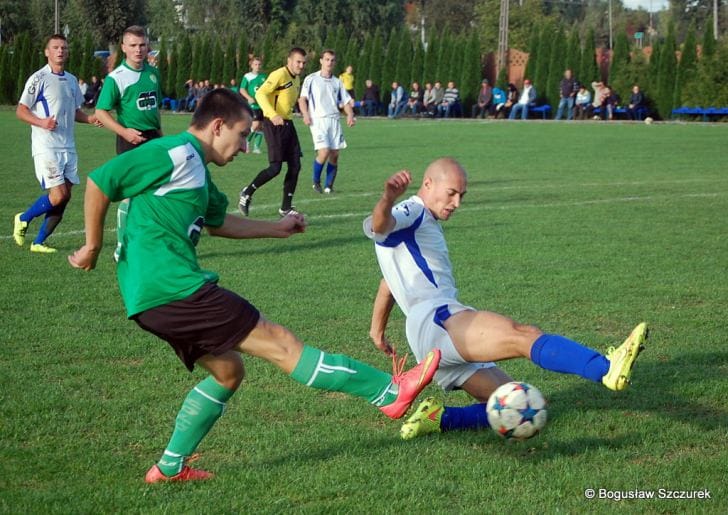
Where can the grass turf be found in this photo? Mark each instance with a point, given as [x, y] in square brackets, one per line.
[582, 228]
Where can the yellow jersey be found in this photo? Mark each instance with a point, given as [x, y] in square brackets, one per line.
[347, 79]
[278, 94]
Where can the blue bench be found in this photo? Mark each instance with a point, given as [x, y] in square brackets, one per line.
[545, 110]
[169, 103]
[704, 113]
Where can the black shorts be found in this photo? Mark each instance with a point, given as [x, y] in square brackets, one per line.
[124, 146]
[282, 141]
[212, 320]
[257, 115]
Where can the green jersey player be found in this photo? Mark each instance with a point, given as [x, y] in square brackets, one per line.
[249, 85]
[167, 293]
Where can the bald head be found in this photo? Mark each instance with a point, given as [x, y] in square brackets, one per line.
[443, 187]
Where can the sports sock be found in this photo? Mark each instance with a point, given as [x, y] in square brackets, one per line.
[289, 184]
[559, 354]
[317, 169]
[250, 140]
[340, 373]
[466, 417]
[52, 219]
[331, 175]
[40, 207]
[258, 140]
[200, 410]
[263, 177]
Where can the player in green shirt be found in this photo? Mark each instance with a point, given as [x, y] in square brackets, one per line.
[249, 84]
[167, 293]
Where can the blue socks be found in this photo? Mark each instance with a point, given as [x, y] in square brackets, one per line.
[331, 174]
[559, 354]
[40, 207]
[317, 169]
[466, 417]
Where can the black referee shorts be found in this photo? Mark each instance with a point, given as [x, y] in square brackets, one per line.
[282, 141]
[212, 320]
[124, 146]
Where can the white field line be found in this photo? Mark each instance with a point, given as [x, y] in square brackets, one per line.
[480, 207]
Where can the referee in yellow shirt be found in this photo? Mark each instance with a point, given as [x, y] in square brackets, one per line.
[276, 97]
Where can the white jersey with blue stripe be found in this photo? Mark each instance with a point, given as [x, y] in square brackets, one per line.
[325, 95]
[413, 257]
[49, 94]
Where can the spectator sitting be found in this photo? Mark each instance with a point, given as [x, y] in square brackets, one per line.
[512, 96]
[609, 103]
[450, 105]
[234, 85]
[398, 100]
[526, 100]
[415, 100]
[499, 101]
[583, 99]
[484, 105]
[92, 91]
[428, 97]
[370, 101]
[600, 91]
[189, 98]
[636, 107]
[437, 95]
[82, 86]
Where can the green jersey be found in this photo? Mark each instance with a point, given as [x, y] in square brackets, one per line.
[172, 198]
[250, 83]
[135, 94]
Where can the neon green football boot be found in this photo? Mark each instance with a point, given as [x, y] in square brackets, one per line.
[19, 230]
[622, 358]
[425, 420]
[42, 248]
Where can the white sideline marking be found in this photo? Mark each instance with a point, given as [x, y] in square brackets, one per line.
[482, 207]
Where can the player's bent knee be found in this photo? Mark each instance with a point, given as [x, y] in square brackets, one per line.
[274, 169]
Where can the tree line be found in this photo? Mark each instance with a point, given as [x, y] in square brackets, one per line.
[696, 79]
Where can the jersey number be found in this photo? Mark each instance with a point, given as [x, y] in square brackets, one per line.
[147, 101]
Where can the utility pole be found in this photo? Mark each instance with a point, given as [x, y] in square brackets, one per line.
[715, 19]
[57, 25]
[610, 25]
[503, 36]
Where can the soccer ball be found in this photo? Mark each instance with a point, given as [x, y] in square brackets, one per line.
[649, 120]
[516, 411]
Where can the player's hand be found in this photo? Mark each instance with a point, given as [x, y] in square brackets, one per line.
[397, 184]
[277, 120]
[49, 123]
[350, 121]
[307, 120]
[92, 120]
[133, 136]
[84, 258]
[293, 223]
[382, 343]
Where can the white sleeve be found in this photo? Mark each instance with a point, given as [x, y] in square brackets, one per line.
[345, 97]
[405, 214]
[29, 96]
[306, 86]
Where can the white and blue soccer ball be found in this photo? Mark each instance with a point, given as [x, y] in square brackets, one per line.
[516, 411]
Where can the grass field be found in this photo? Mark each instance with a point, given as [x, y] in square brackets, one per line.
[584, 229]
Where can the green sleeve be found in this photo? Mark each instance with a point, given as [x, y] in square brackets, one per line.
[134, 172]
[110, 96]
[216, 206]
[244, 83]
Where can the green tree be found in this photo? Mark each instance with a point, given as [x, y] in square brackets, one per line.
[377, 57]
[171, 78]
[390, 60]
[666, 75]
[228, 65]
[444, 55]
[711, 80]
[502, 80]
[618, 69]
[589, 70]
[454, 70]
[687, 66]
[87, 62]
[708, 38]
[403, 68]
[22, 63]
[550, 90]
[183, 63]
[217, 63]
[5, 81]
[242, 64]
[573, 52]
[363, 66]
[75, 56]
[533, 55]
[429, 74]
[545, 45]
[418, 61]
[110, 17]
[162, 65]
[471, 71]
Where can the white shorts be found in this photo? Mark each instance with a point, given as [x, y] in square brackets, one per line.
[326, 133]
[54, 167]
[426, 332]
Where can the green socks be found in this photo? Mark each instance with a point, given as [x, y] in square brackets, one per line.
[340, 373]
[199, 412]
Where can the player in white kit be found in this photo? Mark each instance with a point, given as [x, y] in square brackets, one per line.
[322, 95]
[413, 257]
[50, 103]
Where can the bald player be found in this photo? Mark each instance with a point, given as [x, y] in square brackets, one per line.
[417, 274]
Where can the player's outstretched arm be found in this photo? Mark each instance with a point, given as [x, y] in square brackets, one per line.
[95, 206]
[91, 119]
[383, 304]
[236, 227]
[382, 219]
